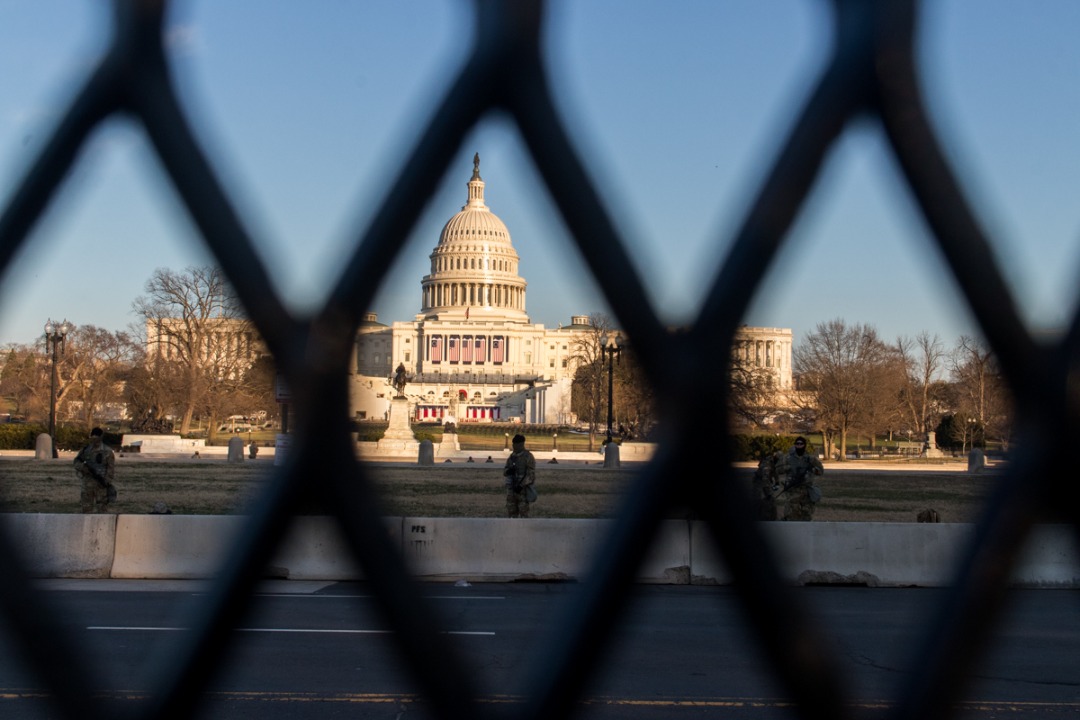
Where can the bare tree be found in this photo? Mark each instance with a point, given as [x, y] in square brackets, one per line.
[752, 393]
[150, 389]
[924, 359]
[590, 374]
[96, 363]
[193, 323]
[251, 394]
[982, 394]
[24, 381]
[842, 367]
[259, 386]
[635, 402]
[884, 408]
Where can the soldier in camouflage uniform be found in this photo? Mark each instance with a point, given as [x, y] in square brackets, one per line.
[798, 468]
[95, 466]
[519, 476]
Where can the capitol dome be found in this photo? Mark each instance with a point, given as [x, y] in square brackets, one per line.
[475, 221]
[474, 268]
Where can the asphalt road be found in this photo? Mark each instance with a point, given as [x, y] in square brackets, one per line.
[314, 650]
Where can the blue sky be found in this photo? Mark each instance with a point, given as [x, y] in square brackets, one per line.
[307, 109]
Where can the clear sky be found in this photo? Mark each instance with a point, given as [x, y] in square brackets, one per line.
[306, 110]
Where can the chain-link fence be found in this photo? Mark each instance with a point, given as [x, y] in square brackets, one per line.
[871, 72]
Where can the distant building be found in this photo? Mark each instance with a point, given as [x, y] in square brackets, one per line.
[231, 344]
[472, 352]
[766, 348]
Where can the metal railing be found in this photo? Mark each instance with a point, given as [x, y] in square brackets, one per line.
[871, 73]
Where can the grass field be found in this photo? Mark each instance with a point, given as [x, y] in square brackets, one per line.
[213, 486]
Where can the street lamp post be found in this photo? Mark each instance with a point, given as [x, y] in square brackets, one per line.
[609, 345]
[54, 346]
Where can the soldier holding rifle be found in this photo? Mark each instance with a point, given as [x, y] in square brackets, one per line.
[799, 468]
[95, 465]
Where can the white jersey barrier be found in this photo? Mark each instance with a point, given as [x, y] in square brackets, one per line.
[76, 546]
[533, 549]
[481, 550]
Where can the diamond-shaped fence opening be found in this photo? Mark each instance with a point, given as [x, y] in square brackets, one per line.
[871, 73]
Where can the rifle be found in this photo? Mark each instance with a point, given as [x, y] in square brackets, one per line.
[510, 472]
[515, 472]
[97, 472]
[797, 478]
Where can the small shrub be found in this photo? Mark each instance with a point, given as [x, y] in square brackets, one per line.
[755, 447]
[72, 437]
[371, 431]
[19, 436]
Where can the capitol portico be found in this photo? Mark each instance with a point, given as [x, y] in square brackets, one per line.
[472, 353]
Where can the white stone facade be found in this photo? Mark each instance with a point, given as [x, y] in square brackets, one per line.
[230, 344]
[768, 348]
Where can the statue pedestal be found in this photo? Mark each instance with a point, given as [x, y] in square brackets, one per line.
[932, 450]
[399, 434]
[449, 445]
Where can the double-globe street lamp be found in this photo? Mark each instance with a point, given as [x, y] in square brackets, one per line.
[609, 346]
[54, 346]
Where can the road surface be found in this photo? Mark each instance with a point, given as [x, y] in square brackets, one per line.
[314, 650]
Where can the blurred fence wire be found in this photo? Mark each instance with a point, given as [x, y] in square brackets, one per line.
[871, 74]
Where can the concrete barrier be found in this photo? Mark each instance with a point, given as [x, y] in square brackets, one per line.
[195, 546]
[173, 546]
[502, 549]
[315, 549]
[875, 554]
[63, 546]
[162, 444]
[889, 554]
[533, 549]
[1050, 559]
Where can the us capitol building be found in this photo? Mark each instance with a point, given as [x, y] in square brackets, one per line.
[473, 355]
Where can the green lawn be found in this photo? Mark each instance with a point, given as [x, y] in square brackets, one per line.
[213, 486]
